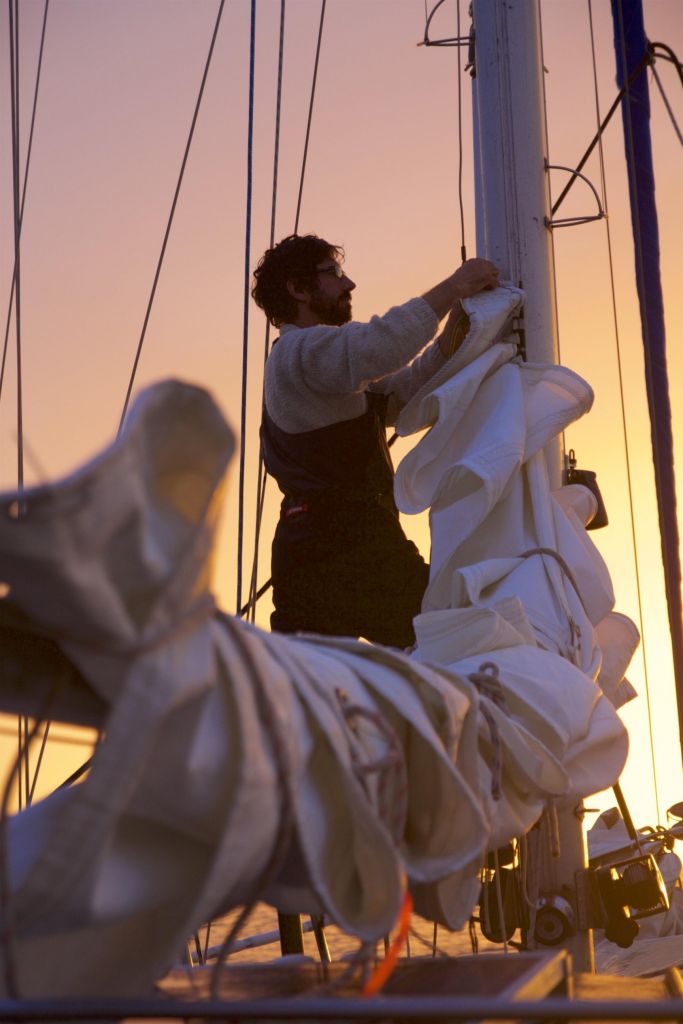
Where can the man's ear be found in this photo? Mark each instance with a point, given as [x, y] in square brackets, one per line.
[298, 293]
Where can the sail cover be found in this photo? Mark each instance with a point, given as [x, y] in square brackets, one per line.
[319, 774]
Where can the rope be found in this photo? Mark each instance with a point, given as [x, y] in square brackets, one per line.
[23, 192]
[381, 975]
[170, 218]
[391, 807]
[310, 115]
[574, 628]
[622, 402]
[488, 684]
[245, 336]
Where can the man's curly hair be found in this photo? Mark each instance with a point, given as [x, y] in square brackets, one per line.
[295, 259]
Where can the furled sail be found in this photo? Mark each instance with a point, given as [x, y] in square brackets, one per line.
[317, 773]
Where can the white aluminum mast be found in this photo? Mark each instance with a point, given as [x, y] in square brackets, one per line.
[513, 207]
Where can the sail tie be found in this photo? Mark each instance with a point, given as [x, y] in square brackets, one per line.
[487, 682]
[574, 651]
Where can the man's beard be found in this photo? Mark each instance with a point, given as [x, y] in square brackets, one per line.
[333, 312]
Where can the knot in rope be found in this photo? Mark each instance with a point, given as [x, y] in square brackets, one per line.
[487, 682]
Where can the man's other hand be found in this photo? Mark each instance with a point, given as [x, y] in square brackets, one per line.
[475, 275]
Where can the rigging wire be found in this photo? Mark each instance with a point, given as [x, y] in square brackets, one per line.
[14, 77]
[22, 722]
[247, 273]
[262, 477]
[669, 109]
[23, 192]
[36, 771]
[13, 17]
[310, 115]
[256, 594]
[553, 265]
[647, 59]
[171, 215]
[629, 482]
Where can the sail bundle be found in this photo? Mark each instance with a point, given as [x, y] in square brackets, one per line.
[320, 774]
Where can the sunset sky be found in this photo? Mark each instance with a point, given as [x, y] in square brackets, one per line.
[119, 84]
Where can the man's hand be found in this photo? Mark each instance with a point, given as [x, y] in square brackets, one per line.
[474, 276]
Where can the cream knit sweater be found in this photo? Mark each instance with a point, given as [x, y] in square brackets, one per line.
[316, 376]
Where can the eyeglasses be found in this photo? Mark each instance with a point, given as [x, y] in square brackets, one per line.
[336, 269]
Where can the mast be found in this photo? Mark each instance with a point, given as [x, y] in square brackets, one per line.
[512, 210]
[512, 190]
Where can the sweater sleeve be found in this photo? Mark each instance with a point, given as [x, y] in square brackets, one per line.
[347, 359]
[401, 386]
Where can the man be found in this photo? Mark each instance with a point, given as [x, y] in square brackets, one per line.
[341, 562]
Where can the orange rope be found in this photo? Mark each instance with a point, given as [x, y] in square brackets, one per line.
[384, 970]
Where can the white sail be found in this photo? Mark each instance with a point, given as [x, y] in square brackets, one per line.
[391, 768]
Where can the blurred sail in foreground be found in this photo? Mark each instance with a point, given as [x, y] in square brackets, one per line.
[318, 774]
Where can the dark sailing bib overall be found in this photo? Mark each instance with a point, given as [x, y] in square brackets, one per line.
[341, 563]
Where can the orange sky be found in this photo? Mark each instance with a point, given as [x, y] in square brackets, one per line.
[120, 80]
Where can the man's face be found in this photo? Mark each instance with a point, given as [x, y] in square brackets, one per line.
[331, 299]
